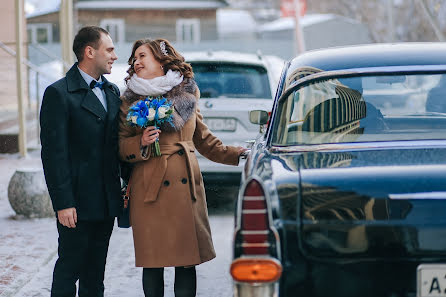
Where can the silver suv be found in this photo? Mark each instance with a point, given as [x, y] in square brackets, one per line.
[232, 84]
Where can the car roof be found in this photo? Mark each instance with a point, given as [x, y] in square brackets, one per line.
[225, 56]
[371, 55]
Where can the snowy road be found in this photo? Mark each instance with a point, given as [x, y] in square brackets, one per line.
[28, 252]
[122, 278]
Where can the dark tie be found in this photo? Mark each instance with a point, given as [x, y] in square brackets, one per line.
[97, 84]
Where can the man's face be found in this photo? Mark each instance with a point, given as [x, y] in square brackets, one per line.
[105, 55]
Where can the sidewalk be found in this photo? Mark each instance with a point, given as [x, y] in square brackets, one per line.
[28, 251]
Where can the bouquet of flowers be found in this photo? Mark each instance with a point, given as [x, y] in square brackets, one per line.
[151, 111]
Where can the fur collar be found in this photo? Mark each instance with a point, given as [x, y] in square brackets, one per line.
[183, 98]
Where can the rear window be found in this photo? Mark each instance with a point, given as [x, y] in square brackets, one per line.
[363, 109]
[220, 80]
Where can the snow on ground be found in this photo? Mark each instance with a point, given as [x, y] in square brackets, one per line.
[25, 244]
[28, 251]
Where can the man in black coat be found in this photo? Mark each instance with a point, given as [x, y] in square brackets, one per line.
[79, 136]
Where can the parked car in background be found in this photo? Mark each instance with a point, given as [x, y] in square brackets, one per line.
[232, 84]
[345, 194]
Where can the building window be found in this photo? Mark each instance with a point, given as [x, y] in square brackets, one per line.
[116, 28]
[188, 30]
[40, 33]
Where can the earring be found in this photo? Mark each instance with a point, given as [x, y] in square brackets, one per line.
[162, 68]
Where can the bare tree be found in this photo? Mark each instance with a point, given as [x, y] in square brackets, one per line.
[432, 20]
[413, 20]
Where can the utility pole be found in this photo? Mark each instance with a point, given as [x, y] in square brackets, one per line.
[19, 76]
[390, 20]
[300, 40]
[66, 32]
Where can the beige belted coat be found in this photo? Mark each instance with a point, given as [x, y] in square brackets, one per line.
[168, 211]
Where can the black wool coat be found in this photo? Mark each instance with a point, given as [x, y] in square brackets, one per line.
[80, 147]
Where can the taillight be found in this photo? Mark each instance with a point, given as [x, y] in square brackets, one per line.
[256, 246]
[254, 223]
[254, 270]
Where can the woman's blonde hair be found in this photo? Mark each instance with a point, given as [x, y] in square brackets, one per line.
[165, 53]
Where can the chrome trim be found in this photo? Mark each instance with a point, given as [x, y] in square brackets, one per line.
[359, 146]
[264, 244]
[254, 198]
[251, 232]
[421, 195]
[256, 290]
[254, 211]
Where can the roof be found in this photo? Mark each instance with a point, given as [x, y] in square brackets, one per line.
[149, 4]
[233, 21]
[287, 23]
[372, 55]
[41, 7]
[52, 6]
[41, 12]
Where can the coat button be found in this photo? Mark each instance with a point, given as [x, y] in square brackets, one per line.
[184, 180]
[166, 183]
[181, 152]
[98, 120]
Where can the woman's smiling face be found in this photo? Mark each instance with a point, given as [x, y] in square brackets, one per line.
[145, 64]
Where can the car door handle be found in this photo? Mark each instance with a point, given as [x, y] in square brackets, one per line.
[245, 154]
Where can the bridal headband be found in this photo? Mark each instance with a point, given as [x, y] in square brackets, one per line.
[163, 48]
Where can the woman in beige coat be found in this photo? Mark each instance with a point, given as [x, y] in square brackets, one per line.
[168, 209]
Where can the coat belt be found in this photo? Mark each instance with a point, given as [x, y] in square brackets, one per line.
[159, 167]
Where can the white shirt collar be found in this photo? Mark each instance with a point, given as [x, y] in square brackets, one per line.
[88, 79]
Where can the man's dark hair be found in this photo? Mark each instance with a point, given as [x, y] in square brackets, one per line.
[87, 36]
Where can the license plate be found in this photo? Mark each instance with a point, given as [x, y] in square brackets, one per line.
[221, 124]
[431, 280]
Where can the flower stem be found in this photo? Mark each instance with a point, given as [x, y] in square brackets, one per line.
[156, 151]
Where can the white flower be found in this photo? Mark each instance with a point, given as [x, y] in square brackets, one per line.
[151, 115]
[134, 118]
[162, 111]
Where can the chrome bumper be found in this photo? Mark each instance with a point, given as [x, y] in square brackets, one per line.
[256, 290]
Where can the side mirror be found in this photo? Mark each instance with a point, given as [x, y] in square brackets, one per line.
[258, 117]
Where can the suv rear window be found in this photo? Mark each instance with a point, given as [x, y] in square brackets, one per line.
[231, 80]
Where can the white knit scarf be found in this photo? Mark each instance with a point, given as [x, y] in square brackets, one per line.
[154, 86]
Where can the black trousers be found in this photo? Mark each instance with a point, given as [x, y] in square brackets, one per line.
[185, 282]
[82, 256]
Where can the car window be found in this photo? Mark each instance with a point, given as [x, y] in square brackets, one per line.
[216, 80]
[361, 109]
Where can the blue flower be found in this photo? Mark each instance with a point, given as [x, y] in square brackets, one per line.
[150, 112]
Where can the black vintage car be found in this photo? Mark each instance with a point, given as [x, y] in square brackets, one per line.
[345, 193]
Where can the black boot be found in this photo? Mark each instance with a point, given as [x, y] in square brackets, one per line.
[153, 282]
[185, 282]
